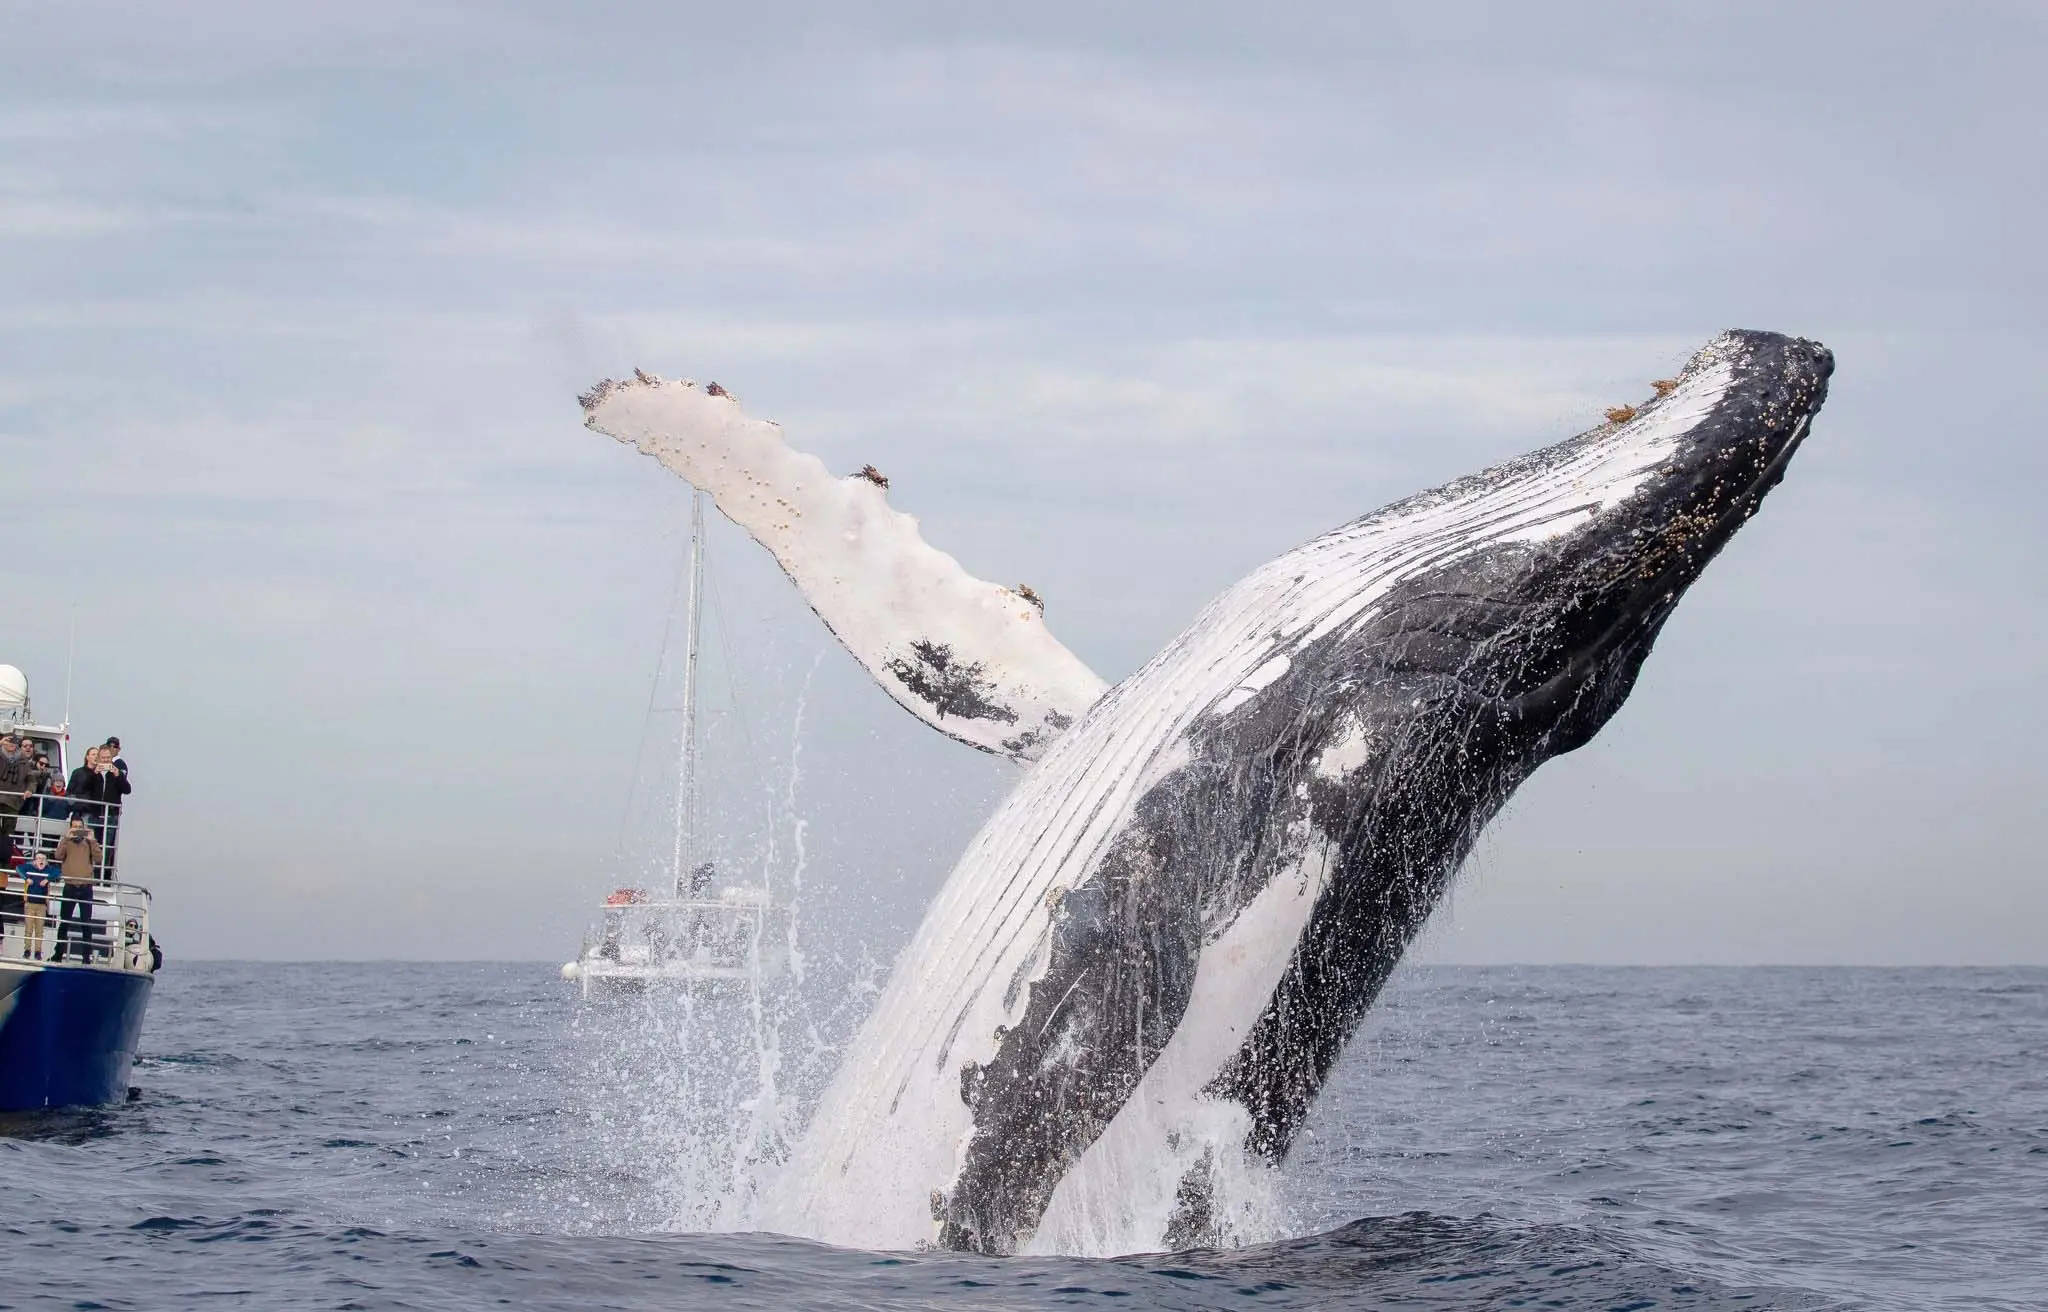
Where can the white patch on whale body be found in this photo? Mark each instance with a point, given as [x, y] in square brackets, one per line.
[892, 1129]
[861, 565]
[1346, 752]
[1119, 1197]
[1254, 685]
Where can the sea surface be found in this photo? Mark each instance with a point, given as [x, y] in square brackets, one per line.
[450, 1136]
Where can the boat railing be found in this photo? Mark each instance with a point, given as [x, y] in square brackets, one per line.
[45, 817]
[105, 924]
[710, 931]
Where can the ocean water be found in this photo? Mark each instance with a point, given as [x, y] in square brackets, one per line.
[456, 1136]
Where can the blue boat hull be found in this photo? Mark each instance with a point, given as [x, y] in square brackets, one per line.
[68, 1034]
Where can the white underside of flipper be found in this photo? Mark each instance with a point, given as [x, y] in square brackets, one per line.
[971, 658]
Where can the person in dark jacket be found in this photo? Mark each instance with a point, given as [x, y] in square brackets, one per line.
[83, 791]
[114, 786]
[46, 805]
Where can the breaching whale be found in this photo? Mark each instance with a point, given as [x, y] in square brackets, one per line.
[1142, 969]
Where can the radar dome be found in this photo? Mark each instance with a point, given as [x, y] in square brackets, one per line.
[13, 689]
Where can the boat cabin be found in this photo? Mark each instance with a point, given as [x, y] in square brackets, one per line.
[732, 936]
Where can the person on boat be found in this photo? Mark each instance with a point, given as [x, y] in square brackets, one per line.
[78, 858]
[33, 879]
[13, 906]
[45, 804]
[18, 782]
[38, 874]
[114, 786]
[83, 791]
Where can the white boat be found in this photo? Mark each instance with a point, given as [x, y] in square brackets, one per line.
[699, 931]
[735, 939]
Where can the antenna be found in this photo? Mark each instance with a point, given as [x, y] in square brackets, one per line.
[70, 660]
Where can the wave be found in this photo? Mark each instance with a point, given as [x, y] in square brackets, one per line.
[1410, 1260]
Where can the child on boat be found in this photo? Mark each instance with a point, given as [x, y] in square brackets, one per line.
[25, 899]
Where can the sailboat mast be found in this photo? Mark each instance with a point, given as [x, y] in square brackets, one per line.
[686, 783]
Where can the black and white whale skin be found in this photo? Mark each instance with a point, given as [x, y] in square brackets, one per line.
[1143, 968]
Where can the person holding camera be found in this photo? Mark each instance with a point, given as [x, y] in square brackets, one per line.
[78, 859]
[45, 805]
[114, 786]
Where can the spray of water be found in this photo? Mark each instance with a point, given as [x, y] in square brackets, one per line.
[696, 1093]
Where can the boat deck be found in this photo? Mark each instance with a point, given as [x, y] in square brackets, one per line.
[735, 939]
[108, 930]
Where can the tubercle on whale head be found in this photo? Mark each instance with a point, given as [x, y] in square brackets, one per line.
[1569, 560]
[1724, 465]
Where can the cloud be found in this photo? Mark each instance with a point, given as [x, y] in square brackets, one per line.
[297, 302]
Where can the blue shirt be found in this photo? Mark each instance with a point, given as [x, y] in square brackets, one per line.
[38, 877]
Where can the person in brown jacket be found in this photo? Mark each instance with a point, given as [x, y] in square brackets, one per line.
[78, 854]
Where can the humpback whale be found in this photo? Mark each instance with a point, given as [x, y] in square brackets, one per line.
[1140, 973]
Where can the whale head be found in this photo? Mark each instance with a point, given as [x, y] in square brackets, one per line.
[1555, 623]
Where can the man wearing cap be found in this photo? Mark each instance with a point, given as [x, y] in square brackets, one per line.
[114, 786]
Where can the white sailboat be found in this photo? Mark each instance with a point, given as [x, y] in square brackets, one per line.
[698, 931]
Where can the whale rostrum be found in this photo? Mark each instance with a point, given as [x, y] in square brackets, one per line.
[1140, 973]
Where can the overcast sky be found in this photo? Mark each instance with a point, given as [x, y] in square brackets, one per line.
[295, 302]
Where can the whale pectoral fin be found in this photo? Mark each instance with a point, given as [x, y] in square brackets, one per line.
[971, 658]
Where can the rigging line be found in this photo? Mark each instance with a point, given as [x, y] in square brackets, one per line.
[732, 681]
[732, 684]
[668, 625]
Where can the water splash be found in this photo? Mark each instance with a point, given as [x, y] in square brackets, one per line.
[695, 1096]
[798, 826]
